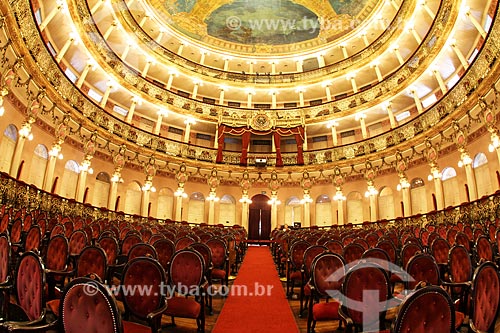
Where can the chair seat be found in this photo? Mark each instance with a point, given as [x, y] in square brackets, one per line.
[326, 311]
[131, 327]
[459, 319]
[183, 307]
[296, 275]
[218, 273]
[53, 306]
[307, 289]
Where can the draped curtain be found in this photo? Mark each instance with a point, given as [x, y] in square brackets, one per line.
[245, 132]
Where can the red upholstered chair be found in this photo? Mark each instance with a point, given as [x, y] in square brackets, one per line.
[427, 310]
[294, 265]
[485, 294]
[408, 251]
[154, 238]
[483, 250]
[186, 275]
[366, 290]
[439, 249]
[305, 290]
[183, 242]
[206, 253]
[462, 239]
[422, 267]
[58, 229]
[129, 241]
[15, 235]
[372, 239]
[220, 260]
[142, 250]
[92, 260]
[460, 268]
[56, 263]
[33, 239]
[5, 274]
[334, 246]
[327, 273]
[77, 241]
[4, 223]
[352, 252]
[145, 306]
[165, 249]
[388, 246]
[29, 311]
[88, 306]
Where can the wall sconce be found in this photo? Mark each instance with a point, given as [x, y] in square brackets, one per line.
[245, 200]
[371, 191]
[148, 186]
[274, 201]
[339, 196]
[180, 193]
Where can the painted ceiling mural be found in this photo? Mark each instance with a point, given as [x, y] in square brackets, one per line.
[267, 22]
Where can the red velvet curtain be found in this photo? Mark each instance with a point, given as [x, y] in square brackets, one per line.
[220, 144]
[245, 133]
[277, 144]
[245, 140]
[299, 138]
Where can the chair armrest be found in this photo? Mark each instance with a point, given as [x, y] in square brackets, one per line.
[7, 284]
[457, 284]
[348, 320]
[55, 272]
[158, 312]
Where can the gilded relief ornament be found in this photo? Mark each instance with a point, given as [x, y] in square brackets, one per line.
[274, 182]
[306, 182]
[181, 176]
[119, 158]
[261, 122]
[213, 179]
[338, 178]
[246, 182]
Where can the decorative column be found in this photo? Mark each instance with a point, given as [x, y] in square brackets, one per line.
[273, 94]
[89, 149]
[130, 115]
[465, 160]
[321, 60]
[161, 113]
[440, 81]
[333, 126]
[72, 39]
[187, 132]
[431, 155]
[196, 85]
[365, 39]
[273, 67]
[129, 44]
[475, 22]
[489, 119]
[245, 184]
[160, 35]
[180, 49]
[145, 70]
[390, 114]
[306, 184]
[250, 94]
[52, 14]
[181, 176]
[428, 10]
[61, 132]
[25, 132]
[213, 182]
[222, 90]
[328, 91]
[300, 91]
[371, 192]
[458, 52]
[173, 73]
[338, 181]
[395, 49]
[91, 65]
[110, 85]
[148, 188]
[300, 65]
[374, 65]
[352, 77]
[96, 6]
[274, 185]
[415, 34]
[361, 118]
[119, 163]
[110, 29]
[401, 166]
[418, 102]
[203, 54]
[344, 51]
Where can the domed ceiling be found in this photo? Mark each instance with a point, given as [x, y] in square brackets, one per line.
[263, 24]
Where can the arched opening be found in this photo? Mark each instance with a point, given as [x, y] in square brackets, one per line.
[259, 218]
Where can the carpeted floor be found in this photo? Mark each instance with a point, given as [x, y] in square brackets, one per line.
[257, 302]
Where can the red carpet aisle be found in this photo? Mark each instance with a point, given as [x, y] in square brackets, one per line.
[259, 310]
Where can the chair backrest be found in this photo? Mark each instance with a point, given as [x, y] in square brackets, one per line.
[148, 273]
[422, 267]
[183, 242]
[33, 238]
[388, 246]
[142, 250]
[352, 252]
[77, 241]
[88, 306]
[327, 273]
[4, 224]
[165, 249]
[459, 264]
[186, 271]
[30, 282]
[4, 257]
[483, 248]
[57, 253]
[334, 246]
[427, 310]
[58, 229]
[110, 246]
[296, 254]
[485, 297]
[16, 230]
[92, 260]
[378, 256]
[128, 242]
[366, 290]
[205, 252]
[462, 239]
[27, 222]
[440, 249]
[408, 251]
[309, 254]
[219, 251]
